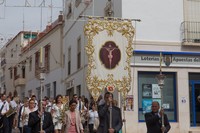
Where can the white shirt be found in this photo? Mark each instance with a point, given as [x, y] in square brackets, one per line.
[13, 104]
[5, 108]
[49, 107]
[82, 108]
[92, 115]
[27, 111]
[20, 119]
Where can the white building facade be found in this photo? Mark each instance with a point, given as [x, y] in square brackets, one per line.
[75, 66]
[171, 28]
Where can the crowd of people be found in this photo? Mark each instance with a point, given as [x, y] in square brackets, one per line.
[59, 115]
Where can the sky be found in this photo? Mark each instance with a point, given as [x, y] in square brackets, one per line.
[19, 15]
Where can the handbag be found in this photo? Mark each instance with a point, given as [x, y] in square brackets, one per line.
[96, 124]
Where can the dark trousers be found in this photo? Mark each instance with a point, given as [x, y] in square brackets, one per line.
[20, 129]
[26, 129]
[91, 126]
[5, 128]
[10, 121]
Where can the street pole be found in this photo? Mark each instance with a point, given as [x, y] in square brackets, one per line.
[41, 90]
[42, 77]
[161, 77]
[124, 108]
[110, 109]
[163, 125]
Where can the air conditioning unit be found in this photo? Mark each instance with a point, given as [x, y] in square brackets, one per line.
[196, 40]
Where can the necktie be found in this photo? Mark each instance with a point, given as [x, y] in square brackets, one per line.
[79, 105]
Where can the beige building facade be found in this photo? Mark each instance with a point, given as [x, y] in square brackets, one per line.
[22, 58]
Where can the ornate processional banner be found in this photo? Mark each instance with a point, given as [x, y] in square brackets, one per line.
[109, 50]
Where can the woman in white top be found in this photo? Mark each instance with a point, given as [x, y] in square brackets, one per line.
[92, 115]
[21, 111]
[57, 114]
[25, 115]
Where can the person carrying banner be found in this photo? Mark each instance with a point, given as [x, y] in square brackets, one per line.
[104, 111]
[35, 119]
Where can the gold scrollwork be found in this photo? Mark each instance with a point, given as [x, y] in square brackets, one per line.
[91, 29]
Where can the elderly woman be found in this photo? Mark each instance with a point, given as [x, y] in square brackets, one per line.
[72, 119]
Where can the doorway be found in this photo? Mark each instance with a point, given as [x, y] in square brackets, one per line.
[194, 91]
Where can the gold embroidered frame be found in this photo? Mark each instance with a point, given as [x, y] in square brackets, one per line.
[93, 28]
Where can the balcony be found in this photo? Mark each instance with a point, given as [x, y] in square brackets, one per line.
[3, 62]
[190, 33]
[19, 81]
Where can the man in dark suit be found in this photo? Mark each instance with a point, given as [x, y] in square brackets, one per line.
[104, 116]
[35, 118]
[154, 120]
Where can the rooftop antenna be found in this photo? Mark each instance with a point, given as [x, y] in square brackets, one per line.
[23, 21]
[51, 8]
[42, 4]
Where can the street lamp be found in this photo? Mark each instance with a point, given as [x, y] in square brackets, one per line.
[161, 80]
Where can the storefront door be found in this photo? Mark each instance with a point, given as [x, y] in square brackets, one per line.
[194, 103]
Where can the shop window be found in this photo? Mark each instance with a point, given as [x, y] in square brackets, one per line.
[148, 91]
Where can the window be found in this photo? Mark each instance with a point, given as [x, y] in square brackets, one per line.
[149, 91]
[38, 89]
[190, 28]
[70, 92]
[15, 73]
[54, 89]
[29, 93]
[78, 52]
[23, 71]
[47, 58]
[30, 64]
[69, 61]
[63, 60]
[69, 10]
[48, 88]
[11, 73]
[11, 53]
[78, 90]
[37, 67]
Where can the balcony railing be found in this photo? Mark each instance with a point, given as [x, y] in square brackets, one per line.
[19, 81]
[190, 32]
